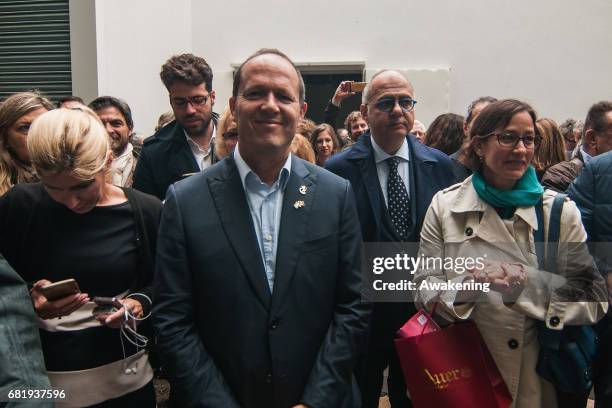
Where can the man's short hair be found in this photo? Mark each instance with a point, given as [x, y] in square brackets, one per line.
[352, 117]
[570, 126]
[70, 98]
[596, 117]
[469, 117]
[187, 68]
[271, 51]
[365, 96]
[103, 102]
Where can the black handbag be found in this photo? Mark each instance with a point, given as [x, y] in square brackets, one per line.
[566, 356]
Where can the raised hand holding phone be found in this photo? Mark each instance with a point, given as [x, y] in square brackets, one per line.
[342, 92]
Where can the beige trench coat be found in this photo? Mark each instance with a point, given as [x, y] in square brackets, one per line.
[457, 215]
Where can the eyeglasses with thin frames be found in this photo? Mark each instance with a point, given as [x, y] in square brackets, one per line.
[193, 100]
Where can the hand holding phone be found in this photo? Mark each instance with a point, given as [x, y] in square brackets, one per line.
[111, 311]
[60, 289]
[342, 92]
[62, 300]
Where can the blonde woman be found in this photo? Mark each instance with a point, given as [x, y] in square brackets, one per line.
[17, 113]
[76, 225]
[227, 134]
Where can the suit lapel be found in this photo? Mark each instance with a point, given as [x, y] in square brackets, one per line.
[300, 188]
[421, 176]
[235, 216]
[363, 156]
[181, 163]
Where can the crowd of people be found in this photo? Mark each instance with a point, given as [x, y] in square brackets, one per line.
[224, 252]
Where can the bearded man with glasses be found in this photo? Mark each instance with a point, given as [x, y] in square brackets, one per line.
[394, 178]
[186, 145]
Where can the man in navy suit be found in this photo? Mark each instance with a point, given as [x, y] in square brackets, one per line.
[257, 292]
[394, 178]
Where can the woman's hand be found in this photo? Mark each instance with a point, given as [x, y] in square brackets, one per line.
[115, 320]
[504, 277]
[46, 309]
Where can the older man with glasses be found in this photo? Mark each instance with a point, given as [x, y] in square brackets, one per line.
[186, 145]
[394, 178]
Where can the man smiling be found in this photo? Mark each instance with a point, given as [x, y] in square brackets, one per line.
[116, 117]
[257, 300]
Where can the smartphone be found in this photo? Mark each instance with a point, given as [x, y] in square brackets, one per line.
[61, 289]
[106, 305]
[357, 86]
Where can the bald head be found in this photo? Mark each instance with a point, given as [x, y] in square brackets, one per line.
[383, 79]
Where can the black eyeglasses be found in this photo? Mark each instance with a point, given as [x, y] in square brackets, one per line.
[406, 104]
[511, 140]
[194, 101]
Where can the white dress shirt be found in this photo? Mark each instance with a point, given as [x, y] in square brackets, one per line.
[382, 168]
[202, 156]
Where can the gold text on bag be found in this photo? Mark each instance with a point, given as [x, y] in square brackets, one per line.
[443, 379]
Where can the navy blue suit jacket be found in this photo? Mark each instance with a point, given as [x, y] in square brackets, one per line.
[224, 339]
[430, 171]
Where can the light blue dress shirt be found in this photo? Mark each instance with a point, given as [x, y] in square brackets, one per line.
[266, 205]
[585, 156]
[382, 168]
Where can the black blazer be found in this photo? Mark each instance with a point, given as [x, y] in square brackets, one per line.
[430, 172]
[225, 340]
[165, 159]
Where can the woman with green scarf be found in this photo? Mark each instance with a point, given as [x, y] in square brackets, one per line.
[486, 226]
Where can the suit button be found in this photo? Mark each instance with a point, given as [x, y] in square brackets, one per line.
[554, 321]
[513, 344]
[469, 231]
[274, 324]
[269, 378]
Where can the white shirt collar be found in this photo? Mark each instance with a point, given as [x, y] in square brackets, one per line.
[380, 155]
[196, 147]
[244, 169]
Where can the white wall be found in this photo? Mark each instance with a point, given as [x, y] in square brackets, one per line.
[133, 39]
[552, 53]
[83, 48]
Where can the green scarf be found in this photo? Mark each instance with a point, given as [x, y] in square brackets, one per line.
[527, 192]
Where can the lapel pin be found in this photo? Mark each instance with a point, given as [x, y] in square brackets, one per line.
[298, 204]
[303, 190]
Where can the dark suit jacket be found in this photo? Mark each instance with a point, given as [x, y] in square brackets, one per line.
[224, 339]
[430, 171]
[165, 159]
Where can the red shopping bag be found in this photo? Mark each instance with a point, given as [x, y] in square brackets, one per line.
[452, 367]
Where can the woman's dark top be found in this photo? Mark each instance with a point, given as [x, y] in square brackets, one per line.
[102, 250]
